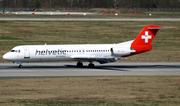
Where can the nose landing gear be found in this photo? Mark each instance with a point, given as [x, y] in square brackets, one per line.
[20, 66]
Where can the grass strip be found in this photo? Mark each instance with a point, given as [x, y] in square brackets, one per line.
[81, 91]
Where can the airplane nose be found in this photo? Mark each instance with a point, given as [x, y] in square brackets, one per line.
[6, 56]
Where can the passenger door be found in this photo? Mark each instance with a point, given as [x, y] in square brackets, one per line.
[26, 53]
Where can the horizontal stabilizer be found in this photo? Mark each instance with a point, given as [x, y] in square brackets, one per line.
[159, 28]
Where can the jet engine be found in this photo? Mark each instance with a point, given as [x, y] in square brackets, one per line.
[121, 51]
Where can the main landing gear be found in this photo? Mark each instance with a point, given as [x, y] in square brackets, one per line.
[91, 65]
[80, 64]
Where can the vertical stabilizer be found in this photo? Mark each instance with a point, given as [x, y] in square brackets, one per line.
[143, 41]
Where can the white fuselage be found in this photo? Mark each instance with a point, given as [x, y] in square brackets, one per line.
[47, 53]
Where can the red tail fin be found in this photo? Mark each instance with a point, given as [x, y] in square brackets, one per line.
[142, 43]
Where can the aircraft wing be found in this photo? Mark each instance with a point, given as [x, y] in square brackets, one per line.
[101, 59]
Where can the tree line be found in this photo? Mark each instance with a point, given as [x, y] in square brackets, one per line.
[90, 3]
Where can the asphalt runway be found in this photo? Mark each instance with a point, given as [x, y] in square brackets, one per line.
[89, 19]
[44, 70]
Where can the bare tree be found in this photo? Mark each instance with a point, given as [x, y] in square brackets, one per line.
[70, 2]
[93, 3]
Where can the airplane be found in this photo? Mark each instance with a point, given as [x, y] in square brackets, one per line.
[102, 53]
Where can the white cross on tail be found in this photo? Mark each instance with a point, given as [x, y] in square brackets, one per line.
[146, 36]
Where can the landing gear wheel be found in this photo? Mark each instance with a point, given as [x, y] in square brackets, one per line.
[20, 66]
[91, 65]
[79, 64]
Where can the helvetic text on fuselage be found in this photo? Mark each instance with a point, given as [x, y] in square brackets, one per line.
[50, 52]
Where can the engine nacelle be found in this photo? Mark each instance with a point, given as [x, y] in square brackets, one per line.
[121, 51]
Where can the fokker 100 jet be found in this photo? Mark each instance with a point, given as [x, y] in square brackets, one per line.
[102, 53]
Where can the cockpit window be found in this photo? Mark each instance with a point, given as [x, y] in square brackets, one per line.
[12, 50]
[17, 51]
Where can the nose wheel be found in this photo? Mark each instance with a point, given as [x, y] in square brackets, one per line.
[20, 66]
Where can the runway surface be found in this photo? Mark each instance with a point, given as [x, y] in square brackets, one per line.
[90, 19]
[41, 70]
